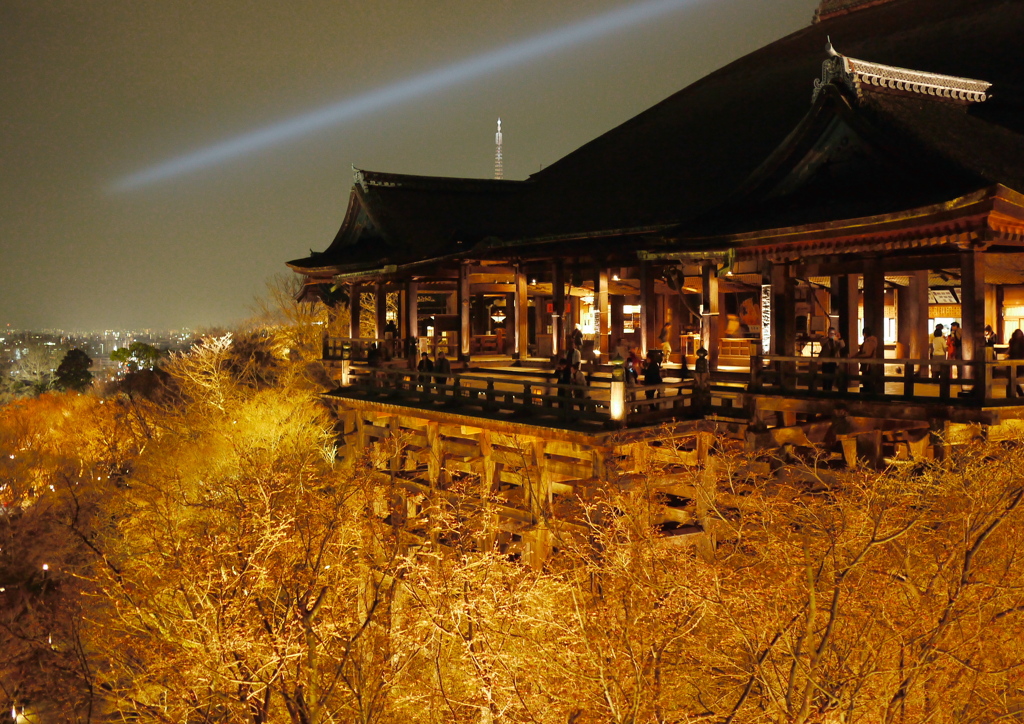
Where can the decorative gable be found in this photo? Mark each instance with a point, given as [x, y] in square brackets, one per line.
[861, 76]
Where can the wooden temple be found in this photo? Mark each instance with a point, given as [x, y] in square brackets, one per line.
[879, 186]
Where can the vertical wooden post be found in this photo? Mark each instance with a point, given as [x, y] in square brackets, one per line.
[972, 315]
[647, 331]
[998, 323]
[435, 454]
[874, 319]
[540, 483]
[874, 298]
[574, 316]
[412, 315]
[617, 320]
[510, 322]
[845, 304]
[558, 331]
[783, 309]
[521, 329]
[710, 332]
[465, 328]
[912, 317]
[380, 309]
[355, 310]
[707, 484]
[601, 302]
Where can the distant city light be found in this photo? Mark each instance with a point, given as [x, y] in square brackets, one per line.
[418, 86]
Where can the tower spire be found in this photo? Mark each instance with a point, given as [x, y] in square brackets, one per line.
[498, 171]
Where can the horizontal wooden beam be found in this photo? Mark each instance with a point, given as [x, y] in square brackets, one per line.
[828, 266]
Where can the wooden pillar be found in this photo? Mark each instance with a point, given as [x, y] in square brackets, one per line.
[648, 332]
[912, 316]
[601, 302]
[435, 453]
[845, 303]
[538, 490]
[998, 321]
[465, 326]
[412, 315]
[355, 310]
[574, 317]
[710, 323]
[557, 307]
[380, 309]
[874, 298]
[617, 319]
[674, 317]
[520, 329]
[783, 309]
[972, 315]
[874, 318]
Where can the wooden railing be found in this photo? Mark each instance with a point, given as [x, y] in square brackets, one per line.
[395, 348]
[359, 348]
[891, 378]
[606, 402]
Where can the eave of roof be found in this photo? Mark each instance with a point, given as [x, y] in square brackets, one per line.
[969, 219]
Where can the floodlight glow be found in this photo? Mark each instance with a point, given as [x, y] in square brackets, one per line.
[406, 90]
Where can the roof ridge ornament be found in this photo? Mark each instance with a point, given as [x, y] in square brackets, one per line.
[861, 76]
[358, 178]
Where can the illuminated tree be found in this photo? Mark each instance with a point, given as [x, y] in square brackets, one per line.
[137, 356]
[60, 460]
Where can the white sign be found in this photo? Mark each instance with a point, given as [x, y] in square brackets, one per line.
[766, 318]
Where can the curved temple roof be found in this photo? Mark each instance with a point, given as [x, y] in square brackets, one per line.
[694, 151]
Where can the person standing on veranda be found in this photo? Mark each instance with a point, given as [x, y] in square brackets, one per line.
[938, 350]
[869, 373]
[833, 347]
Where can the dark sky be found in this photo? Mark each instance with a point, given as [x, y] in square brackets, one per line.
[93, 93]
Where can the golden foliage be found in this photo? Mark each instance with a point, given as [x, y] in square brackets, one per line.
[211, 561]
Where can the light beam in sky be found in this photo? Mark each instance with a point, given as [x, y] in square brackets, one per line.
[416, 87]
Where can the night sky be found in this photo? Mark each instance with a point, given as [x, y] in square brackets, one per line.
[96, 98]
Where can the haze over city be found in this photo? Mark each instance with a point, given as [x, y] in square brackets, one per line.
[97, 95]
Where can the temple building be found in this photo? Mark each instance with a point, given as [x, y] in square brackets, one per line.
[865, 173]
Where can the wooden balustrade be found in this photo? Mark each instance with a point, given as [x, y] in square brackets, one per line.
[903, 378]
[523, 397]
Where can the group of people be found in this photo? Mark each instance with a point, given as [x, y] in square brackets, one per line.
[834, 347]
[440, 368]
[943, 347]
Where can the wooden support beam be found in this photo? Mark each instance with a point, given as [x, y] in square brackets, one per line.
[521, 330]
[558, 332]
[874, 317]
[823, 267]
[707, 486]
[412, 315]
[972, 316]
[912, 316]
[711, 332]
[435, 451]
[355, 310]
[539, 488]
[465, 326]
[648, 332]
[492, 288]
[380, 310]
[845, 308]
[601, 301]
[783, 309]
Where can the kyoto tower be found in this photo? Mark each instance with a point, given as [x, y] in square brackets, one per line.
[498, 172]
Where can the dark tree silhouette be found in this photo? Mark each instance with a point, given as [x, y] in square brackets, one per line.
[73, 372]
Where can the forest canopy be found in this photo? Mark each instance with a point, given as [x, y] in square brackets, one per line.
[201, 553]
